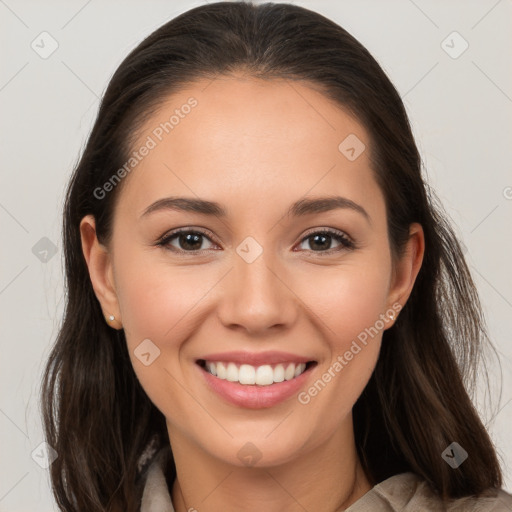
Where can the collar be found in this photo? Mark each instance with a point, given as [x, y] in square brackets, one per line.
[401, 492]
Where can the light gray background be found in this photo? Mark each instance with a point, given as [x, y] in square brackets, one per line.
[460, 109]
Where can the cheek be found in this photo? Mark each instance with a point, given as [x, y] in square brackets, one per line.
[159, 304]
[158, 301]
[350, 302]
[348, 299]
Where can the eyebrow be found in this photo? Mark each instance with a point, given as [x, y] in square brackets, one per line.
[300, 208]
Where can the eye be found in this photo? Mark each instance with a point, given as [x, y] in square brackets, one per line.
[187, 240]
[320, 241]
[191, 241]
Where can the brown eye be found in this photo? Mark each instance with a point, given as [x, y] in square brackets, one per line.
[185, 241]
[321, 241]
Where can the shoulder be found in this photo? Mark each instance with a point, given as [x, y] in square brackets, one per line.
[408, 492]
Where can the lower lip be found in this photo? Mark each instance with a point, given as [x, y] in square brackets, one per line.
[252, 396]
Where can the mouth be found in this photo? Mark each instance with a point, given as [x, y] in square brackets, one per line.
[251, 375]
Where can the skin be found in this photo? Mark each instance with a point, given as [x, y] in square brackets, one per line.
[255, 147]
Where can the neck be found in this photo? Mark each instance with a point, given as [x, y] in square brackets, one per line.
[328, 477]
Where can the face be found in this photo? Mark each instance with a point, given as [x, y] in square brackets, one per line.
[255, 281]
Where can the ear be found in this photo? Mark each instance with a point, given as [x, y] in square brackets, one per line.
[406, 269]
[100, 271]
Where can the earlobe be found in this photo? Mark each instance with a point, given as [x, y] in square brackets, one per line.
[407, 268]
[99, 265]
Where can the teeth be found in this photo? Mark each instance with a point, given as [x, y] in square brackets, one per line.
[279, 373]
[221, 370]
[247, 374]
[211, 368]
[262, 375]
[289, 373]
[232, 372]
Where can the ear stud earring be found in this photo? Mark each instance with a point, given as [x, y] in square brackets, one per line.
[393, 315]
[111, 318]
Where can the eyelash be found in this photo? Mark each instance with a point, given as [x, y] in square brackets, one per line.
[339, 236]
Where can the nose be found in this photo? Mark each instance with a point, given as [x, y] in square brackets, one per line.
[256, 298]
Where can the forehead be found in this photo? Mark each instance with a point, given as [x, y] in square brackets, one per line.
[251, 136]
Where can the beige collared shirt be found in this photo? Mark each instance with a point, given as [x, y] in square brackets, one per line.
[405, 492]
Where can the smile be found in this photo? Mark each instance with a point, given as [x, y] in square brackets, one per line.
[255, 380]
[246, 374]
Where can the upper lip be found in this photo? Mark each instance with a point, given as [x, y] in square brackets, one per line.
[256, 358]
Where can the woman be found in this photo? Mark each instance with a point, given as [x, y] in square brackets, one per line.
[266, 309]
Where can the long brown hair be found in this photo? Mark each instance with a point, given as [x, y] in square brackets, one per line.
[96, 415]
